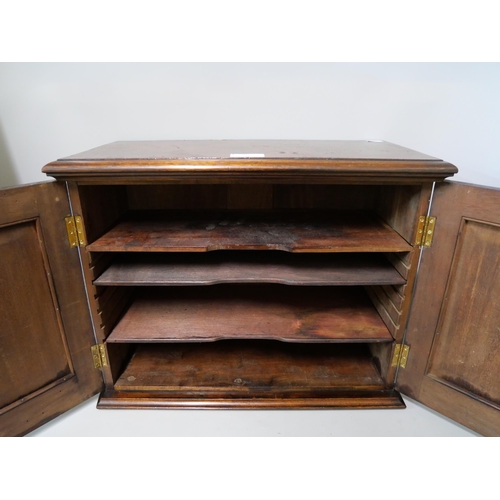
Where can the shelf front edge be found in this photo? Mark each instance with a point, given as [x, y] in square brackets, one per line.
[388, 399]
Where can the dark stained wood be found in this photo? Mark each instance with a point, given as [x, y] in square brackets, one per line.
[393, 311]
[293, 231]
[259, 368]
[400, 262]
[454, 361]
[396, 294]
[330, 399]
[251, 312]
[101, 207]
[111, 302]
[397, 205]
[341, 323]
[407, 265]
[99, 262]
[324, 196]
[184, 196]
[180, 269]
[89, 260]
[250, 196]
[31, 326]
[118, 357]
[242, 374]
[223, 149]
[45, 362]
[288, 161]
[475, 364]
[381, 308]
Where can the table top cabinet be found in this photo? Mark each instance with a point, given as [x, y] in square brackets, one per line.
[249, 274]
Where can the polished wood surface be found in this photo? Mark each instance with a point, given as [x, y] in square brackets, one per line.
[223, 149]
[291, 161]
[314, 400]
[292, 231]
[251, 312]
[454, 361]
[46, 334]
[181, 269]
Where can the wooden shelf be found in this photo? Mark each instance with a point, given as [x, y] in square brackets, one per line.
[174, 269]
[259, 368]
[291, 231]
[291, 314]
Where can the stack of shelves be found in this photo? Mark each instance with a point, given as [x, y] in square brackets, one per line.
[245, 308]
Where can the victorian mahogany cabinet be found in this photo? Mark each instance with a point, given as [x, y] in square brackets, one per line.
[249, 274]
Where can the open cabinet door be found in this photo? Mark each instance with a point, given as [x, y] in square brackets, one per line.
[46, 365]
[454, 328]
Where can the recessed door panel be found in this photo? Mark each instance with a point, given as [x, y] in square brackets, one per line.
[46, 366]
[32, 345]
[469, 326]
[454, 327]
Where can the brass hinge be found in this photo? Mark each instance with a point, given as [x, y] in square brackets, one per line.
[74, 228]
[400, 356]
[425, 231]
[99, 355]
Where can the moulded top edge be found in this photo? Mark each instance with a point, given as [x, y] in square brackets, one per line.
[266, 169]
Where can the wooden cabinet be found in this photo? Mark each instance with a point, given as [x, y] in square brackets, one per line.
[250, 274]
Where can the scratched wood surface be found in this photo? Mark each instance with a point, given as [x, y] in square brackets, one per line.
[251, 312]
[256, 368]
[180, 269]
[213, 161]
[292, 231]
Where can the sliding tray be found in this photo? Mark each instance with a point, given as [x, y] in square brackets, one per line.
[291, 231]
[188, 269]
[291, 314]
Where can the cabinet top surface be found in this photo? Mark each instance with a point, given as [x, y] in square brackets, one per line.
[265, 161]
[254, 149]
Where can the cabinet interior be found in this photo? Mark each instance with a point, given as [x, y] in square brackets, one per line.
[250, 291]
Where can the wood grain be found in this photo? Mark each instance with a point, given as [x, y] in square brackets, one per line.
[293, 231]
[87, 259]
[100, 206]
[254, 368]
[179, 269]
[331, 399]
[288, 161]
[398, 206]
[471, 330]
[30, 325]
[111, 302]
[324, 196]
[46, 332]
[222, 149]
[180, 196]
[251, 312]
[250, 196]
[453, 336]
[401, 263]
